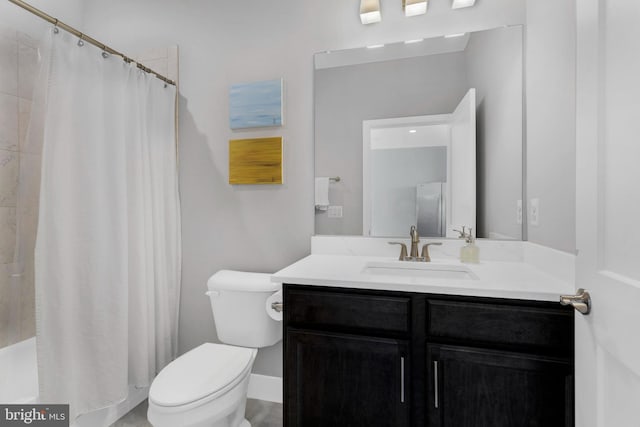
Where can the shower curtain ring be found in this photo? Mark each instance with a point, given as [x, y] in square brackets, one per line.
[56, 30]
[105, 54]
[80, 41]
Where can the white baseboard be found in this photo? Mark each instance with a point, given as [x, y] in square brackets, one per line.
[263, 387]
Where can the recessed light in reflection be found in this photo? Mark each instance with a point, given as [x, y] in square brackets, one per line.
[413, 131]
[450, 36]
[457, 4]
[414, 7]
[370, 11]
[413, 41]
[375, 46]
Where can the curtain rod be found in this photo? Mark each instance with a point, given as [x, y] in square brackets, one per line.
[86, 38]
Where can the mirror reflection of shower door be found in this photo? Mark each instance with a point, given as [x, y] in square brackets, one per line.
[430, 209]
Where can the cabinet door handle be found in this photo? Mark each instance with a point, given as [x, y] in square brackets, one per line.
[401, 379]
[435, 383]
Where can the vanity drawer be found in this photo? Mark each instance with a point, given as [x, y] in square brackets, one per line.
[512, 325]
[374, 311]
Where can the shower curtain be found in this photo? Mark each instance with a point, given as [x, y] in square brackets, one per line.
[107, 252]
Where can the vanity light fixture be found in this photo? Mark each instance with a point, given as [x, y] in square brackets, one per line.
[370, 11]
[414, 7]
[457, 4]
[413, 41]
[412, 131]
[375, 46]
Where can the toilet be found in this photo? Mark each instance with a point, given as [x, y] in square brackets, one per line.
[207, 386]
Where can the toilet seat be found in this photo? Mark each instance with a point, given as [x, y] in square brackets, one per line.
[201, 375]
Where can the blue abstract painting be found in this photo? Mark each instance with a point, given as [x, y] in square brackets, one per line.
[256, 104]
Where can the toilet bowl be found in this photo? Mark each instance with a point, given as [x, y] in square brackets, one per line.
[207, 386]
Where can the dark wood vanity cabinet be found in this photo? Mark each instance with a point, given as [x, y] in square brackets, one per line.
[498, 363]
[345, 380]
[347, 360]
[471, 387]
[376, 358]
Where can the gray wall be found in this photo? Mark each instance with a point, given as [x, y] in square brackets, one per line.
[494, 68]
[265, 228]
[345, 96]
[551, 112]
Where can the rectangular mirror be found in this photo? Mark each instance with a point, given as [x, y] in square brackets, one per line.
[427, 133]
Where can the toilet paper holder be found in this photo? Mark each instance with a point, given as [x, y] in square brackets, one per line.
[277, 306]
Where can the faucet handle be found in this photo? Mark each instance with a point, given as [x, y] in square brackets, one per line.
[403, 250]
[425, 250]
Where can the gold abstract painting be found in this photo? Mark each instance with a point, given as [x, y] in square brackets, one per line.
[255, 161]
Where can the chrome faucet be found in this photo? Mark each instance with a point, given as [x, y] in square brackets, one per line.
[415, 241]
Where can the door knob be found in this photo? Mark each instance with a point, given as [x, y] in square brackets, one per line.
[581, 301]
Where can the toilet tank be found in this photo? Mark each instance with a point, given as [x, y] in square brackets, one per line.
[239, 304]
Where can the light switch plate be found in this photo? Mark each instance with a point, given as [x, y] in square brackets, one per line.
[334, 212]
[534, 212]
[519, 212]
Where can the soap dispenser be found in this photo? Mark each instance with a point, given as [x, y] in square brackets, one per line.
[470, 252]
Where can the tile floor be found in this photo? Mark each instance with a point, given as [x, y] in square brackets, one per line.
[259, 413]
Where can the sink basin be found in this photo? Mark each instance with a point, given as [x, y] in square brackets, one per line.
[430, 270]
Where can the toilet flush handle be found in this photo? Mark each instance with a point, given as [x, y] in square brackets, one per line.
[212, 293]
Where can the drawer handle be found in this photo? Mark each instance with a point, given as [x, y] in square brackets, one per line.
[401, 379]
[435, 383]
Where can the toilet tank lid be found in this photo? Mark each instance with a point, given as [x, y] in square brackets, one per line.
[230, 280]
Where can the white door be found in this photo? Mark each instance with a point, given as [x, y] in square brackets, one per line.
[461, 177]
[608, 212]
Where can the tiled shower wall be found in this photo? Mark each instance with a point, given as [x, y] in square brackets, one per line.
[18, 68]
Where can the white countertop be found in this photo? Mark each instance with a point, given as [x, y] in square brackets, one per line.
[496, 279]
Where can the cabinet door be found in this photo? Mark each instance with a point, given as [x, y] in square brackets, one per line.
[345, 380]
[483, 388]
